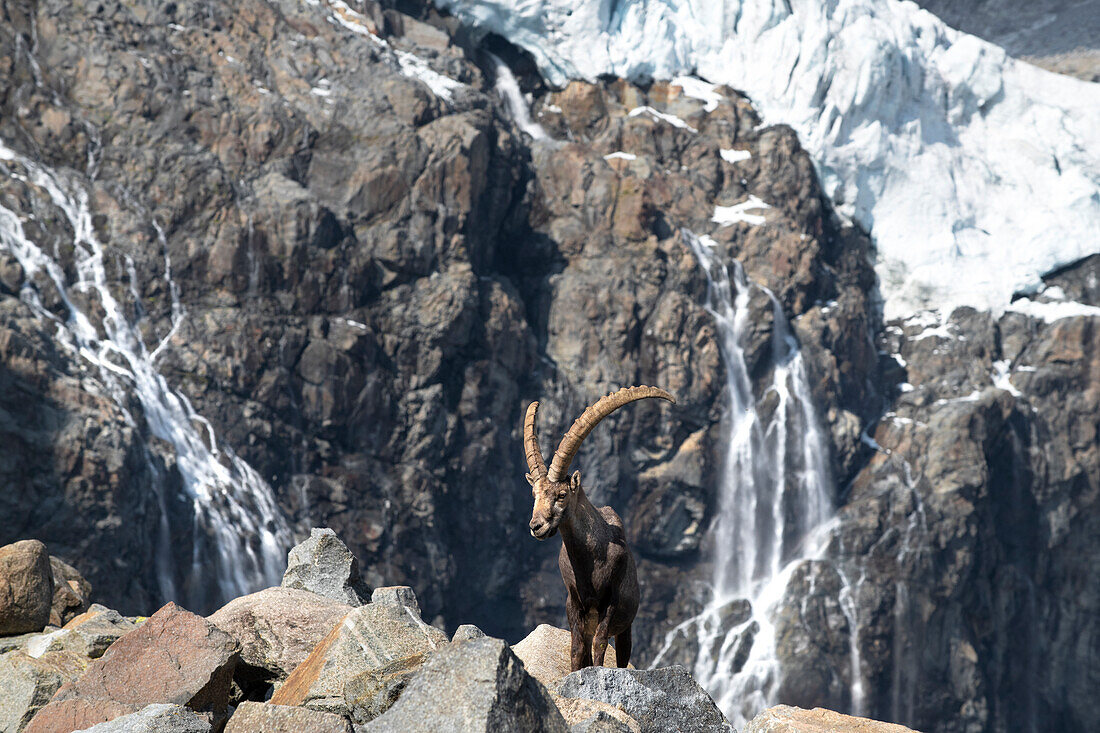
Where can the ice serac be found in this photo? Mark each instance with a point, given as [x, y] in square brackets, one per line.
[975, 172]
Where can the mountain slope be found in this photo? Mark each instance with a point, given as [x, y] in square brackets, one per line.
[973, 172]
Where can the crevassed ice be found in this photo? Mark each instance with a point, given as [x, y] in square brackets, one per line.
[975, 173]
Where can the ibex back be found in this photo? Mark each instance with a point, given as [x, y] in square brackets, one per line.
[596, 565]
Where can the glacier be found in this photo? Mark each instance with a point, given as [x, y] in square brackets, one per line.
[975, 173]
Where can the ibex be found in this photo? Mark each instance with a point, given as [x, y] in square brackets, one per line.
[596, 565]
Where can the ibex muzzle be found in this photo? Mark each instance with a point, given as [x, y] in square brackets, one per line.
[599, 572]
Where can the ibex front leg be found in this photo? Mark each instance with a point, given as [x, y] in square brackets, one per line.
[580, 653]
[599, 642]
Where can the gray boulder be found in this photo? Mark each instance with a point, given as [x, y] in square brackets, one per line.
[384, 640]
[279, 627]
[467, 632]
[324, 565]
[156, 718]
[26, 587]
[87, 635]
[480, 686]
[251, 717]
[789, 719]
[601, 722]
[659, 700]
[27, 683]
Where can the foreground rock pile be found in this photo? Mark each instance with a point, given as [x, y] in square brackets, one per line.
[312, 656]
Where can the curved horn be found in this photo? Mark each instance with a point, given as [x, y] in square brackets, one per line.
[582, 426]
[531, 441]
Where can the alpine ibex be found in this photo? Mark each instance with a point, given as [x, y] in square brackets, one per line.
[596, 565]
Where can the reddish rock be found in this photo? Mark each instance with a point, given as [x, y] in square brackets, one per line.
[26, 587]
[71, 592]
[174, 657]
[255, 716]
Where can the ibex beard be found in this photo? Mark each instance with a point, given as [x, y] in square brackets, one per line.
[601, 580]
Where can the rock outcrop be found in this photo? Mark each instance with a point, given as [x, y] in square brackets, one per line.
[26, 587]
[324, 565]
[479, 686]
[277, 628]
[787, 719]
[361, 665]
[658, 700]
[175, 657]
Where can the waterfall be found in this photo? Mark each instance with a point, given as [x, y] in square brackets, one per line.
[508, 89]
[774, 506]
[240, 537]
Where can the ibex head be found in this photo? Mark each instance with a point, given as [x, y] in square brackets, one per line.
[555, 494]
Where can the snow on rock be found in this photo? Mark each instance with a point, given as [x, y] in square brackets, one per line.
[974, 172]
[662, 117]
[734, 156]
[726, 215]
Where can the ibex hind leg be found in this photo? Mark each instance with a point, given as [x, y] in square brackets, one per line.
[622, 648]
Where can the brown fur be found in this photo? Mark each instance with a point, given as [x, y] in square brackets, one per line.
[600, 577]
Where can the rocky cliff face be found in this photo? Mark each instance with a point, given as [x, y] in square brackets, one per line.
[336, 247]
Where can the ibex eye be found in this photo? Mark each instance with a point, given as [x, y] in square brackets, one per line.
[561, 494]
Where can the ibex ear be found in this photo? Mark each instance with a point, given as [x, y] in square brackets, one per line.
[575, 481]
[530, 478]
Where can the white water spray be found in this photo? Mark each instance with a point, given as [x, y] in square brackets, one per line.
[508, 89]
[240, 537]
[775, 505]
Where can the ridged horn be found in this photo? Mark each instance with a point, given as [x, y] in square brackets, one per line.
[590, 418]
[531, 441]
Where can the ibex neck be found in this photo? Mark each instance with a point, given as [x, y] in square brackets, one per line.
[580, 524]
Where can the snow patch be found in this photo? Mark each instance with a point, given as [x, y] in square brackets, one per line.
[1053, 311]
[726, 215]
[662, 117]
[701, 90]
[734, 156]
[620, 155]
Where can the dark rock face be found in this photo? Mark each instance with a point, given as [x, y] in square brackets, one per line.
[26, 587]
[374, 280]
[968, 541]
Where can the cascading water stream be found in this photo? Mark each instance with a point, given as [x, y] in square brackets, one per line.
[508, 89]
[240, 537]
[774, 508]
